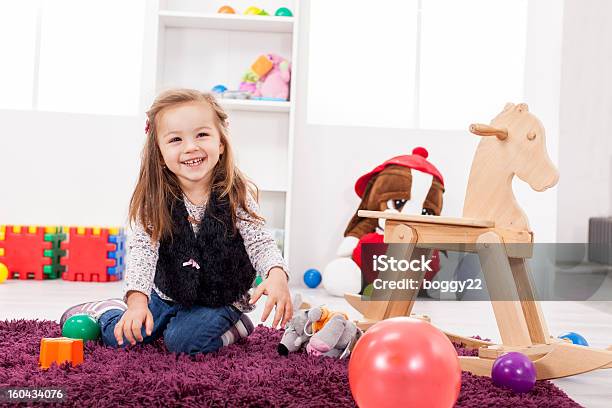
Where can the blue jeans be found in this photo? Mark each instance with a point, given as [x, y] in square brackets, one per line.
[190, 330]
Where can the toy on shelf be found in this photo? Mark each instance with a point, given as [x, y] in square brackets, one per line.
[275, 84]
[255, 11]
[94, 254]
[82, 327]
[3, 272]
[236, 95]
[248, 83]
[31, 252]
[404, 362]
[268, 78]
[323, 332]
[515, 371]
[219, 89]
[226, 10]
[312, 278]
[283, 12]
[60, 350]
[493, 223]
[279, 237]
[262, 66]
[407, 184]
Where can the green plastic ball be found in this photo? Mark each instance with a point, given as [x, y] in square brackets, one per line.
[82, 327]
[367, 292]
[283, 12]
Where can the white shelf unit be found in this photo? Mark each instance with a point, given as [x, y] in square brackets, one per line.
[195, 47]
[231, 22]
[255, 105]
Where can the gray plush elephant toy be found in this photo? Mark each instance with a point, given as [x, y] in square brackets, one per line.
[294, 336]
[321, 331]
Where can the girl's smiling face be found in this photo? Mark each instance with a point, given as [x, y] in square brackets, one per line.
[190, 142]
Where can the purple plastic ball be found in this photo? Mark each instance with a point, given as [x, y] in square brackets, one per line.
[515, 371]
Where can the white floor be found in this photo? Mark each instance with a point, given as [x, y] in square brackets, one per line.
[48, 299]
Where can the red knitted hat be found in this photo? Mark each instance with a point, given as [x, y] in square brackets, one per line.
[417, 160]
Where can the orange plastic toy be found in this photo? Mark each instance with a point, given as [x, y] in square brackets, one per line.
[226, 10]
[60, 350]
[262, 66]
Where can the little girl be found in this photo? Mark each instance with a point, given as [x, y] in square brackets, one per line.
[189, 271]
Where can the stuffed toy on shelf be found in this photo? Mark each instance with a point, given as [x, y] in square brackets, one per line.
[268, 78]
[407, 184]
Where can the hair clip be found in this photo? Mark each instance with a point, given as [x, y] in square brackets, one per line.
[147, 126]
[192, 263]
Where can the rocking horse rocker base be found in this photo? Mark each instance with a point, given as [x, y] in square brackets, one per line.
[495, 228]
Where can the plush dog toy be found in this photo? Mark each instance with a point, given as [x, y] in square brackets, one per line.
[321, 331]
[406, 184]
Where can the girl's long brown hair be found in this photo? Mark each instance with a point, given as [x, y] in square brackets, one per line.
[157, 185]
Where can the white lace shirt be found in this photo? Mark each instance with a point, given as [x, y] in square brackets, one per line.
[260, 246]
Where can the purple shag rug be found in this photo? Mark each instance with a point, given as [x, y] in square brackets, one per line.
[247, 374]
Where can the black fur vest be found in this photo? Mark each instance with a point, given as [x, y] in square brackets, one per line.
[225, 271]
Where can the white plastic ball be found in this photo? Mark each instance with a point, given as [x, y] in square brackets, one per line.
[342, 276]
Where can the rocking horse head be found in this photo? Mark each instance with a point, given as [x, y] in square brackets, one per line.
[514, 143]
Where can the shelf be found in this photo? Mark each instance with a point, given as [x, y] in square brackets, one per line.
[231, 22]
[272, 189]
[254, 105]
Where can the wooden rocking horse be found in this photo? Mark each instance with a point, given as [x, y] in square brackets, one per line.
[495, 227]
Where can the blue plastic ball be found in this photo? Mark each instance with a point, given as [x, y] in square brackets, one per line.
[312, 278]
[575, 338]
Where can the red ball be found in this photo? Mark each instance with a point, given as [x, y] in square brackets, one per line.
[404, 362]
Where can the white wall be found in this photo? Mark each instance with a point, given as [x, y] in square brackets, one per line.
[67, 169]
[585, 155]
[329, 159]
[542, 93]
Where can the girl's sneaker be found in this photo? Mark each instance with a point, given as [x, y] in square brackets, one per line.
[241, 330]
[93, 309]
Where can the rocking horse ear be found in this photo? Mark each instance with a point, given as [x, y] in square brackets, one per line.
[522, 107]
[486, 130]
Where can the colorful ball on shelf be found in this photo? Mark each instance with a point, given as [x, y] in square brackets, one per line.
[283, 12]
[575, 338]
[226, 10]
[312, 278]
[515, 371]
[82, 327]
[219, 89]
[3, 272]
[404, 362]
[252, 11]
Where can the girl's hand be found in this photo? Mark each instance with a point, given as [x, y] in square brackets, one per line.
[277, 290]
[130, 324]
